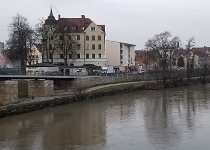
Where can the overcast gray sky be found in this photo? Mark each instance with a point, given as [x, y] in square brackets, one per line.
[133, 21]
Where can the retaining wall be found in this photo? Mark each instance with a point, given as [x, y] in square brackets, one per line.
[8, 92]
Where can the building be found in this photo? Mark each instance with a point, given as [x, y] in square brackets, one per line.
[139, 59]
[75, 41]
[120, 54]
[200, 56]
[35, 54]
[1, 51]
[198, 59]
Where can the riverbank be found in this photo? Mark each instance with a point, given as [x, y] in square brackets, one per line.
[25, 105]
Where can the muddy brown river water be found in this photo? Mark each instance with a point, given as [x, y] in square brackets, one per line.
[171, 119]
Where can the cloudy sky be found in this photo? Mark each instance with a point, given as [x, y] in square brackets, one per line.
[133, 21]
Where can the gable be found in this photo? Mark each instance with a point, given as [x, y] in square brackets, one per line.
[93, 27]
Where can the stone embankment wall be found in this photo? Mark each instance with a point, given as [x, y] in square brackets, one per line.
[82, 83]
[40, 88]
[8, 92]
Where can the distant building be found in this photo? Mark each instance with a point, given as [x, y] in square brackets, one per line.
[120, 54]
[90, 40]
[1, 51]
[139, 54]
[35, 54]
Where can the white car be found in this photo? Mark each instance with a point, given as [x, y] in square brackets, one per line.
[141, 71]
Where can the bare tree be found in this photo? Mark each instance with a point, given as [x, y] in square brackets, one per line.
[68, 46]
[163, 45]
[190, 57]
[20, 40]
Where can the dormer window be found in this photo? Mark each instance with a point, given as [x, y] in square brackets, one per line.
[82, 28]
[93, 28]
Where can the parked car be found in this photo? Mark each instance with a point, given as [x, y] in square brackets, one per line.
[141, 71]
[79, 69]
[53, 73]
[57, 73]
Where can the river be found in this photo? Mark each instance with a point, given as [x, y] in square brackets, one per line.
[171, 119]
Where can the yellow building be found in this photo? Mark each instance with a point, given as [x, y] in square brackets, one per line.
[86, 37]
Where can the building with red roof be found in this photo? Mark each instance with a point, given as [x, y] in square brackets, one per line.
[88, 46]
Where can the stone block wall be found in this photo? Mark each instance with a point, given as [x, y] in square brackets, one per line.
[87, 82]
[8, 92]
[40, 88]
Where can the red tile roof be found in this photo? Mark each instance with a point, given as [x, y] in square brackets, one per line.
[39, 47]
[202, 49]
[179, 52]
[76, 25]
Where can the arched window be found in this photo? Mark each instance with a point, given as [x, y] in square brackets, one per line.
[93, 37]
[99, 37]
[87, 38]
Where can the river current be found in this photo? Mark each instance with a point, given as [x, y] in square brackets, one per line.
[171, 119]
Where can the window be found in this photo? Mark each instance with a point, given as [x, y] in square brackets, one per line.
[87, 38]
[99, 46]
[70, 46]
[78, 37]
[93, 46]
[82, 28]
[93, 29]
[99, 37]
[99, 55]
[87, 55]
[86, 46]
[61, 46]
[61, 37]
[93, 55]
[78, 55]
[93, 37]
[70, 56]
[61, 55]
[65, 28]
[78, 46]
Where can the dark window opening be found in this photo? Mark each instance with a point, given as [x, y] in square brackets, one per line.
[87, 55]
[93, 37]
[78, 37]
[61, 56]
[87, 37]
[99, 37]
[78, 55]
[93, 46]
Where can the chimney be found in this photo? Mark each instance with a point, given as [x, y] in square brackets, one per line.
[83, 19]
[59, 16]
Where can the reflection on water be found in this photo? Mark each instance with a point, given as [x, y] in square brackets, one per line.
[175, 118]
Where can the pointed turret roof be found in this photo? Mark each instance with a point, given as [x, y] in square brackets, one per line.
[51, 19]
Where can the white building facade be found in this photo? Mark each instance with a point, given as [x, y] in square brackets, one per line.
[120, 54]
